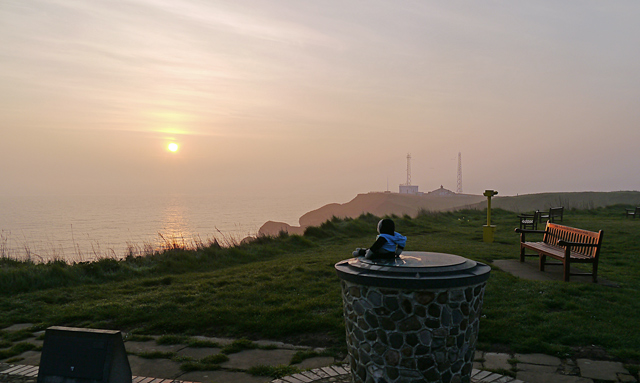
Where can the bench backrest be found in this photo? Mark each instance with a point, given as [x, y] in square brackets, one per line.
[529, 221]
[554, 233]
[556, 212]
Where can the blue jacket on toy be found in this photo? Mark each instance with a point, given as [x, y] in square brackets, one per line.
[388, 245]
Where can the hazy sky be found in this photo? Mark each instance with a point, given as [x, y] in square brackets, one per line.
[291, 96]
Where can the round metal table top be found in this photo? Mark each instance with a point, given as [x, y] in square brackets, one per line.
[414, 270]
[417, 259]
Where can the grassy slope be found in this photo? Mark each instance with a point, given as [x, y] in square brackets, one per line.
[286, 288]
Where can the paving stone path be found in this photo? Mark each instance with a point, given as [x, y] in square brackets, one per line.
[488, 368]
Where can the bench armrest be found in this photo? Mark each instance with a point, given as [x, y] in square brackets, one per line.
[574, 244]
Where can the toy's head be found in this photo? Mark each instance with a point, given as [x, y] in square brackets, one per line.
[386, 226]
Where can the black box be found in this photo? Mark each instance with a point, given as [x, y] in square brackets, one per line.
[78, 355]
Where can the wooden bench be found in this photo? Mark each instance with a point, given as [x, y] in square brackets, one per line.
[554, 213]
[529, 221]
[566, 244]
[633, 212]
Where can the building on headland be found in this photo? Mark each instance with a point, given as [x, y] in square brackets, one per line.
[409, 189]
[441, 192]
[413, 189]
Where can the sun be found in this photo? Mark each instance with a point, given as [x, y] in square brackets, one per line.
[173, 147]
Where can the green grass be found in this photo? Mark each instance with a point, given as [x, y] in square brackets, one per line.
[244, 344]
[157, 355]
[139, 338]
[215, 359]
[300, 356]
[273, 371]
[199, 366]
[199, 343]
[286, 288]
[16, 349]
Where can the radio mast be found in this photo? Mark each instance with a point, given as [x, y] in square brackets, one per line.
[459, 188]
[408, 169]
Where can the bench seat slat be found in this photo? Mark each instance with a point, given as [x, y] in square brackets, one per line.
[553, 251]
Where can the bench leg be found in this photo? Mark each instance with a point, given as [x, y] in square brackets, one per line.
[567, 270]
[543, 261]
[521, 254]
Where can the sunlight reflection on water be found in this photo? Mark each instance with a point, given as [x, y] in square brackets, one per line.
[81, 228]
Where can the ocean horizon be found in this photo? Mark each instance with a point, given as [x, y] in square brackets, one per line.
[79, 228]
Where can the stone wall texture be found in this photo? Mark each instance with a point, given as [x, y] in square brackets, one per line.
[402, 336]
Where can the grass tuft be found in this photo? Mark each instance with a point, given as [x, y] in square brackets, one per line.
[215, 359]
[200, 343]
[138, 338]
[300, 356]
[239, 345]
[198, 366]
[16, 349]
[157, 355]
[273, 371]
[172, 339]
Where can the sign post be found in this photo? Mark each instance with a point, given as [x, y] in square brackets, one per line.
[488, 230]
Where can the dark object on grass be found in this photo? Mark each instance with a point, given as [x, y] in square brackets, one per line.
[554, 214]
[633, 213]
[77, 355]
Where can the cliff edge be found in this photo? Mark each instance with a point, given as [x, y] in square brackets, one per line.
[376, 203]
[381, 204]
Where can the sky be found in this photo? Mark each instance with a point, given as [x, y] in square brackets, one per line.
[289, 97]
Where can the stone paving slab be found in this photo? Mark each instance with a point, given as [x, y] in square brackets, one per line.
[18, 327]
[249, 358]
[601, 370]
[158, 368]
[626, 378]
[199, 353]
[536, 368]
[496, 361]
[151, 346]
[541, 359]
[530, 270]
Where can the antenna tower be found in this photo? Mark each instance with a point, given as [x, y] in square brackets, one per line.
[459, 188]
[408, 169]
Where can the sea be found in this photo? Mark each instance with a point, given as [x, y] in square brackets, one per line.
[83, 228]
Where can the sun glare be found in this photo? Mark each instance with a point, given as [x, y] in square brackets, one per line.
[173, 147]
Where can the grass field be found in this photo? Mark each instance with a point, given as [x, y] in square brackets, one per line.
[286, 288]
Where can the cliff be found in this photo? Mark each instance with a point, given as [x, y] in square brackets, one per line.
[381, 204]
